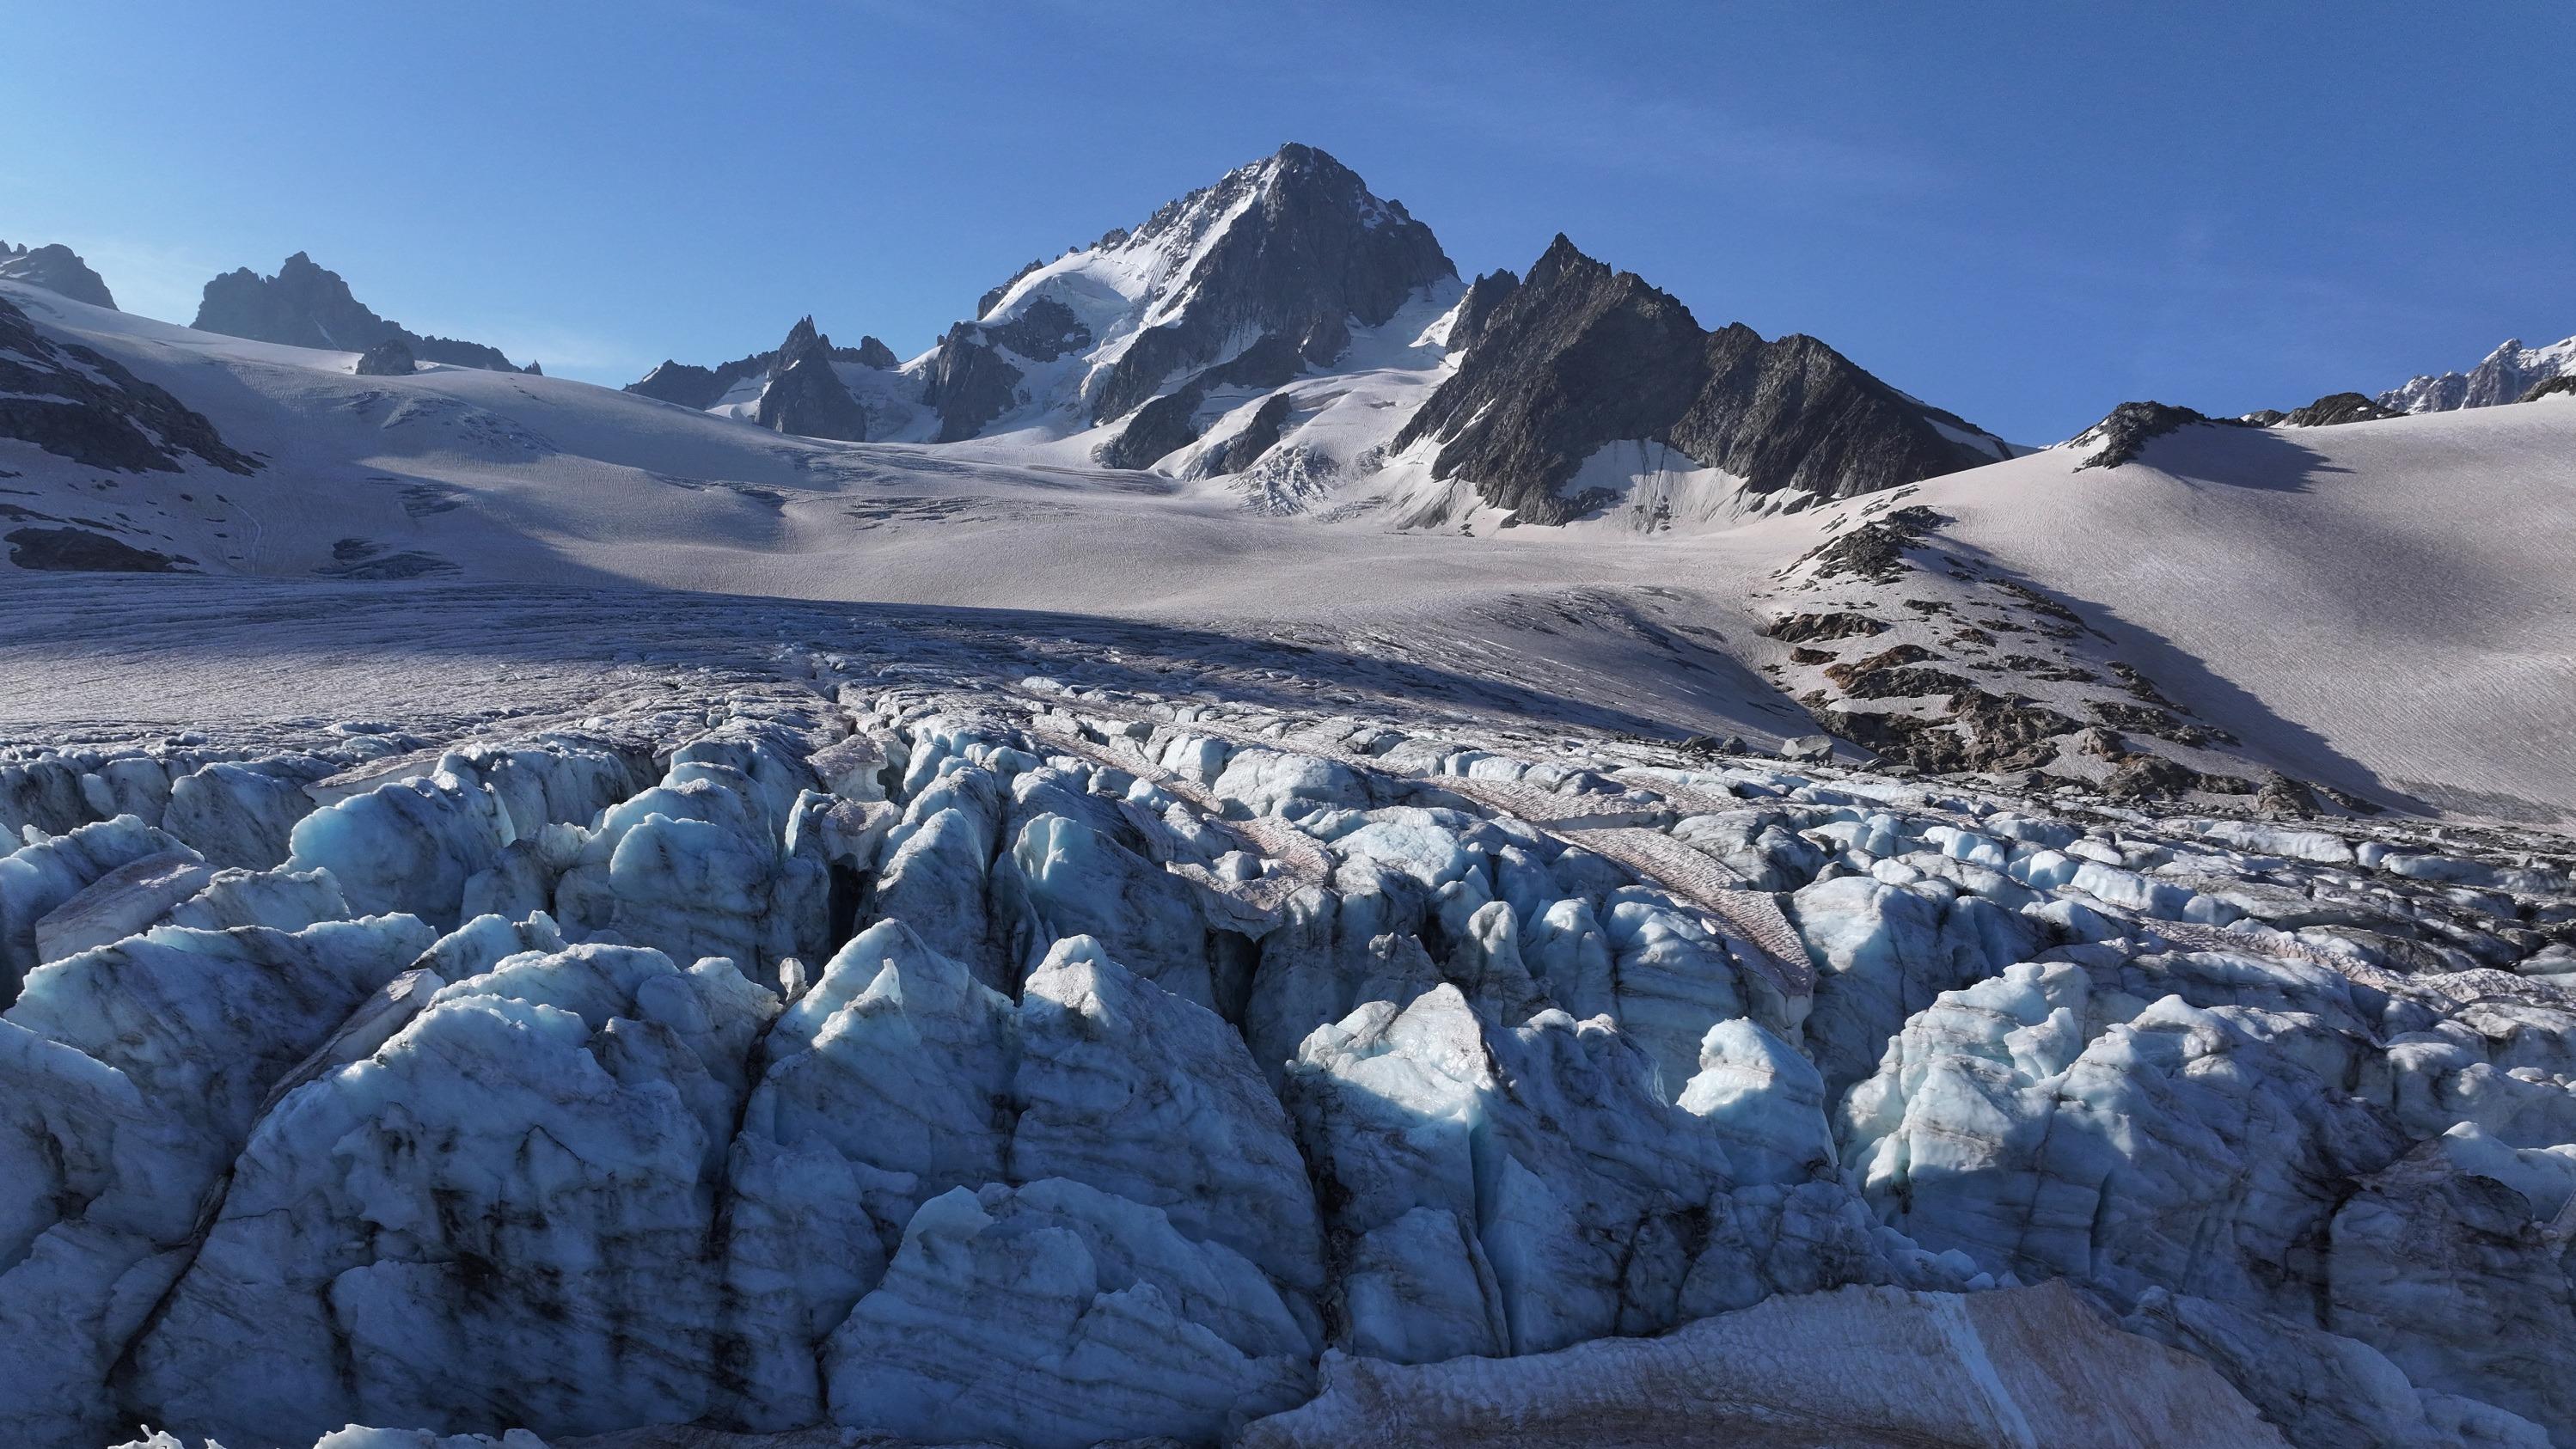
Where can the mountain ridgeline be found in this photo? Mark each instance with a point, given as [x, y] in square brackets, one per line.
[1578, 357]
[308, 305]
[1217, 339]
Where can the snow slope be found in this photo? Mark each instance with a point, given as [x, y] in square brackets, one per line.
[2385, 599]
[2304, 591]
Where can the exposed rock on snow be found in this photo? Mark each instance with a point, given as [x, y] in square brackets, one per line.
[2335, 408]
[2127, 430]
[389, 358]
[75, 403]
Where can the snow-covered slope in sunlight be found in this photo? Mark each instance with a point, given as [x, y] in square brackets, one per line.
[2386, 599]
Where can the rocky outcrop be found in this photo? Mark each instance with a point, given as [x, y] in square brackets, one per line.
[975, 374]
[2565, 382]
[1578, 357]
[2335, 409]
[805, 396]
[75, 403]
[2504, 376]
[389, 358]
[306, 305]
[56, 268]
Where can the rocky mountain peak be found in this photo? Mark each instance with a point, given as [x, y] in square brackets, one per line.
[1579, 356]
[1294, 245]
[2503, 376]
[802, 341]
[805, 396]
[56, 268]
[308, 305]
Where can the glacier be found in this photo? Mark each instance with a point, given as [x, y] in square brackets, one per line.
[852, 1051]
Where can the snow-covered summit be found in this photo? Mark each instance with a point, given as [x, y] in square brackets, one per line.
[2504, 376]
[1245, 283]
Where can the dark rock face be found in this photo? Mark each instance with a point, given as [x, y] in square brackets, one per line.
[871, 353]
[389, 358]
[2132, 425]
[2336, 408]
[2564, 382]
[306, 305]
[805, 396]
[1577, 357]
[56, 268]
[1259, 436]
[1485, 296]
[1311, 251]
[969, 383]
[78, 404]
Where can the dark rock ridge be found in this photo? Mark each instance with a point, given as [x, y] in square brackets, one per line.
[56, 268]
[306, 305]
[2127, 430]
[692, 386]
[2564, 382]
[805, 396]
[1577, 357]
[389, 358]
[79, 404]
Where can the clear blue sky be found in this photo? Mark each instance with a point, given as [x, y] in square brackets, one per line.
[2024, 212]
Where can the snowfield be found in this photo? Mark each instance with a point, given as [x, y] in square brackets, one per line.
[540, 917]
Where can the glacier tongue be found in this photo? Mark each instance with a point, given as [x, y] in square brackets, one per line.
[1042, 1065]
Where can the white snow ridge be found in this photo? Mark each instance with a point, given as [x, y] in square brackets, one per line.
[1127, 897]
